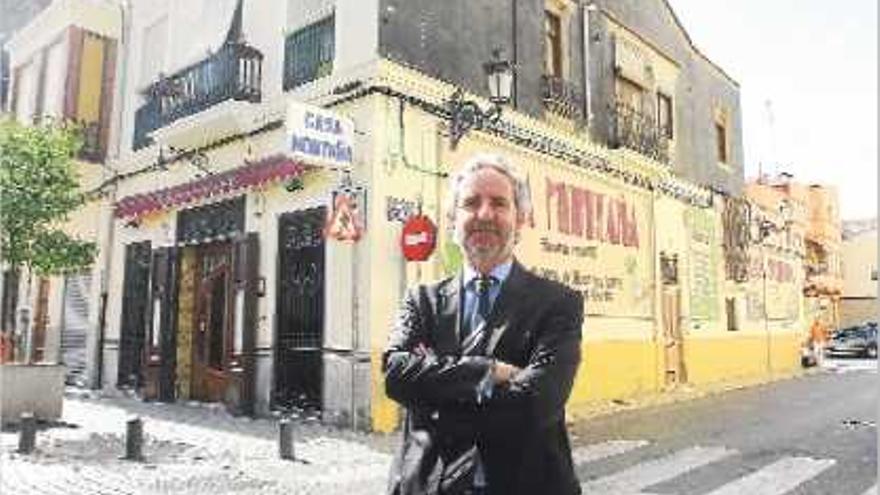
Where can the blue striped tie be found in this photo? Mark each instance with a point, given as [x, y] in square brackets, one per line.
[480, 313]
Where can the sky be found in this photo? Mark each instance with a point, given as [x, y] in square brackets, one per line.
[807, 71]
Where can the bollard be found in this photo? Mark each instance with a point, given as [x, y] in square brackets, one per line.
[28, 433]
[285, 439]
[134, 439]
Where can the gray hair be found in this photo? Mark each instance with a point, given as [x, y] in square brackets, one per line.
[521, 195]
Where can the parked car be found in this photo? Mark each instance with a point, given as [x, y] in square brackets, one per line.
[860, 340]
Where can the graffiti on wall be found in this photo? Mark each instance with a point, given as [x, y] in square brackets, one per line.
[592, 215]
[588, 237]
[779, 292]
[703, 260]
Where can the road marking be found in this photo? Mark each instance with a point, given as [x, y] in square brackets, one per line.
[777, 478]
[611, 448]
[634, 479]
[871, 491]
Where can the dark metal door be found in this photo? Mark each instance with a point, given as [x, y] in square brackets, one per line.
[300, 308]
[162, 349]
[135, 303]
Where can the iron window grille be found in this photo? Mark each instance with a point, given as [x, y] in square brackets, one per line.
[638, 131]
[309, 53]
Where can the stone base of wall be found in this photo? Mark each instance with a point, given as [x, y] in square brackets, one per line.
[35, 388]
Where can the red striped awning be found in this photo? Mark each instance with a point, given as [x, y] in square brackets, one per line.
[250, 175]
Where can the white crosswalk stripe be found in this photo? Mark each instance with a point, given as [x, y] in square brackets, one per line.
[604, 450]
[872, 491]
[633, 479]
[777, 478]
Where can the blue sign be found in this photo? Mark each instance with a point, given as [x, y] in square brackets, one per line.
[318, 135]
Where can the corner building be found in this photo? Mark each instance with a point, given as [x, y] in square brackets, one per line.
[229, 199]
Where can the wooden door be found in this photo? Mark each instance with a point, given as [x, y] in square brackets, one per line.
[213, 324]
[673, 340]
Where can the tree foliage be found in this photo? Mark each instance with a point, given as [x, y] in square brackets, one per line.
[38, 189]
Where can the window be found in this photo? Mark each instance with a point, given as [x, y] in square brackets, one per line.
[664, 114]
[873, 274]
[309, 53]
[629, 94]
[730, 310]
[56, 71]
[218, 324]
[552, 44]
[721, 141]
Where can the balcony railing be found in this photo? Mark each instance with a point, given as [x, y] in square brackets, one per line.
[146, 120]
[233, 73]
[638, 132]
[562, 97]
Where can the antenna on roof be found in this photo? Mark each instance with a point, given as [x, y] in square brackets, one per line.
[771, 138]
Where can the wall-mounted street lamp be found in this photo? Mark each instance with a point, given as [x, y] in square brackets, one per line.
[466, 115]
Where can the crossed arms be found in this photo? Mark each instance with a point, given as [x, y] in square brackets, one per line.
[536, 391]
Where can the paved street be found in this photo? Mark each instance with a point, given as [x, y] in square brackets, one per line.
[813, 435]
[190, 449]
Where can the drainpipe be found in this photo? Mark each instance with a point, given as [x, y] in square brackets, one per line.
[514, 92]
[590, 12]
[656, 289]
[116, 131]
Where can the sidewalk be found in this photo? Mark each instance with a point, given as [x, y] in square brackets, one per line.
[194, 448]
[189, 449]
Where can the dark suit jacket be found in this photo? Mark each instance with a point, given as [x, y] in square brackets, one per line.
[535, 324]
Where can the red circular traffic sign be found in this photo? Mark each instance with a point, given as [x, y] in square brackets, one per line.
[418, 239]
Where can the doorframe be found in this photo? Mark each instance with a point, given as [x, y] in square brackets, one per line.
[222, 374]
[320, 211]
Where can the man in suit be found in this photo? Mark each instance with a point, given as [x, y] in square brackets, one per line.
[484, 361]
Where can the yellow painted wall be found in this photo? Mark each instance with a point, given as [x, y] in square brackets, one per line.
[88, 106]
[615, 369]
[623, 356]
[741, 357]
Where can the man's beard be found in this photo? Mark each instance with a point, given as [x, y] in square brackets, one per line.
[480, 254]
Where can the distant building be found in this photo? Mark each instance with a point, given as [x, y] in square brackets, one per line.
[816, 206]
[241, 129]
[853, 228]
[858, 302]
[63, 67]
[13, 15]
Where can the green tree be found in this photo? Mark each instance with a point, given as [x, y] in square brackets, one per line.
[38, 189]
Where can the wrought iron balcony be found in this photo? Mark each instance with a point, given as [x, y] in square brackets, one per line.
[232, 73]
[562, 97]
[146, 120]
[638, 132]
